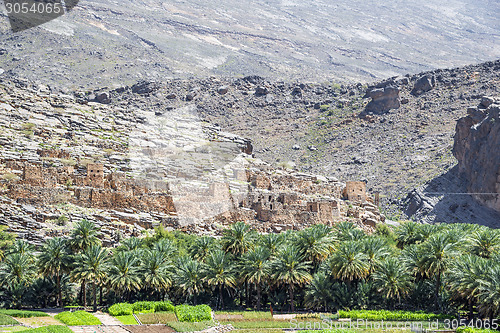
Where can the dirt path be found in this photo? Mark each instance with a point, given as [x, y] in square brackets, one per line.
[98, 329]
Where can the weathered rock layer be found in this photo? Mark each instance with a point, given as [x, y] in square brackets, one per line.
[477, 149]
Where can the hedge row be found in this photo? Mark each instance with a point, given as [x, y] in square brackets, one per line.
[77, 318]
[23, 313]
[392, 315]
[122, 309]
[188, 313]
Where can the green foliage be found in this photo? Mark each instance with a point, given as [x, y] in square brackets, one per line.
[50, 329]
[120, 309]
[164, 306]
[23, 313]
[464, 329]
[6, 320]
[143, 307]
[392, 315]
[77, 318]
[188, 313]
[127, 320]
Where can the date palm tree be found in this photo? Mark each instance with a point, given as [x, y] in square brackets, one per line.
[219, 272]
[349, 262]
[437, 252]
[316, 243]
[318, 292]
[156, 271]
[123, 273]
[54, 260]
[392, 279]
[238, 239]
[272, 242]
[291, 270]
[347, 231]
[464, 277]
[189, 276]
[92, 265]
[256, 269]
[17, 271]
[131, 244]
[489, 292]
[484, 242]
[83, 236]
[202, 247]
[376, 249]
[22, 247]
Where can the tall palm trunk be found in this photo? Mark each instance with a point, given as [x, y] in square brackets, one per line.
[94, 294]
[438, 285]
[290, 293]
[59, 292]
[84, 293]
[258, 296]
[220, 297]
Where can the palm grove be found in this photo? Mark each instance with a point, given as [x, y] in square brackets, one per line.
[441, 268]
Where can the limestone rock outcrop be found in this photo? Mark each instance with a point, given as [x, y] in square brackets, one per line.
[383, 99]
[477, 149]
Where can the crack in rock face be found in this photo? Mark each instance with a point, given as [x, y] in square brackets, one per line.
[26, 14]
[199, 169]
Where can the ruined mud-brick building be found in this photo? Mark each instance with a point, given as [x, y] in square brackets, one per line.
[270, 199]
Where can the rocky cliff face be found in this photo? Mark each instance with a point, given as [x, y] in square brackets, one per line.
[131, 168]
[477, 149]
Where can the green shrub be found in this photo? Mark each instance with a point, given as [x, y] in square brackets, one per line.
[77, 318]
[23, 313]
[164, 307]
[392, 315]
[463, 329]
[50, 329]
[6, 320]
[188, 313]
[120, 309]
[143, 307]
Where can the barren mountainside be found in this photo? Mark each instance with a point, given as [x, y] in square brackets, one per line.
[110, 43]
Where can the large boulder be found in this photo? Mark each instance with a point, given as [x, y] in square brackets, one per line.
[383, 99]
[424, 84]
[477, 149]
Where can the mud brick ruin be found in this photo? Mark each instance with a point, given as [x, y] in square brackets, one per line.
[270, 199]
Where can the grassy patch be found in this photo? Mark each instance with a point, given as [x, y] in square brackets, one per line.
[6, 320]
[23, 313]
[12, 329]
[50, 329]
[248, 314]
[257, 323]
[190, 327]
[392, 315]
[157, 317]
[77, 318]
[127, 320]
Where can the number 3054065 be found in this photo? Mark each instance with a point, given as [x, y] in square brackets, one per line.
[34, 8]
[455, 323]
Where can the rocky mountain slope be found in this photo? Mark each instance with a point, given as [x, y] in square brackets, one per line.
[64, 158]
[112, 43]
[396, 140]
